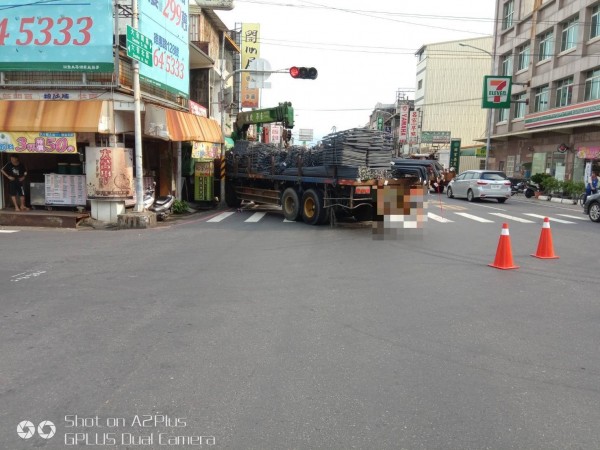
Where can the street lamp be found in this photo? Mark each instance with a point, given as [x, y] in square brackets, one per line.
[490, 116]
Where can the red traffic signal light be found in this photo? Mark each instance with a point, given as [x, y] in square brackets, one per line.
[307, 73]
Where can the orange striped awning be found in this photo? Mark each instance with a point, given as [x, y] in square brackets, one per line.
[50, 116]
[181, 126]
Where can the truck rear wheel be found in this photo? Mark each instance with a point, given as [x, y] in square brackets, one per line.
[290, 204]
[313, 207]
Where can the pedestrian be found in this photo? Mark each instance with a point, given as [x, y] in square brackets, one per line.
[593, 183]
[16, 172]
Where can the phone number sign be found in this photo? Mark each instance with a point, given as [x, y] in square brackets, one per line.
[166, 23]
[70, 35]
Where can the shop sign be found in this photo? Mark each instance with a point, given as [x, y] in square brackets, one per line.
[455, 154]
[435, 137]
[205, 150]
[197, 109]
[403, 132]
[588, 152]
[413, 127]
[571, 113]
[54, 95]
[109, 172]
[65, 36]
[250, 52]
[37, 142]
[166, 24]
[276, 132]
[480, 152]
[496, 92]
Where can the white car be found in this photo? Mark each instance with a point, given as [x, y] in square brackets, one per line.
[478, 184]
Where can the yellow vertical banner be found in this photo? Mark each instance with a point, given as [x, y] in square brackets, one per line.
[250, 52]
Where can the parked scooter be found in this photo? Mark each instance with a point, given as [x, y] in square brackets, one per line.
[162, 206]
[518, 187]
[530, 189]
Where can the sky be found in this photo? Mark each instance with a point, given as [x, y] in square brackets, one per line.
[364, 51]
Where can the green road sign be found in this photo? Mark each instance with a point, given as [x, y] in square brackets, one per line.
[139, 47]
[496, 92]
[455, 154]
[380, 123]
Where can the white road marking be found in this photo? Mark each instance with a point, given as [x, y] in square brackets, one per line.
[221, 217]
[582, 217]
[9, 231]
[256, 217]
[517, 219]
[26, 275]
[551, 218]
[476, 218]
[438, 218]
[288, 221]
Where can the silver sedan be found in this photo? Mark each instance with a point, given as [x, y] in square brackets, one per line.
[478, 184]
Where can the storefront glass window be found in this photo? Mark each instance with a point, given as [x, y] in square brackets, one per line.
[592, 85]
[539, 163]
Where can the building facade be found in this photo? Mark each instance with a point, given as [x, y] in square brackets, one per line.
[67, 86]
[448, 92]
[550, 49]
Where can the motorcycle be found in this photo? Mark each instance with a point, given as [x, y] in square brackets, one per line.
[162, 206]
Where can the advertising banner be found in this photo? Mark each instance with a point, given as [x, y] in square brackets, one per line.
[413, 127]
[37, 142]
[276, 134]
[250, 52]
[435, 137]
[109, 172]
[403, 132]
[66, 36]
[205, 150]
[588, 152]
[166, 24]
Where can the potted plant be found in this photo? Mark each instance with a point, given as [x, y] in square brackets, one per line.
[574, 189]
[550, 186]
[538, 179]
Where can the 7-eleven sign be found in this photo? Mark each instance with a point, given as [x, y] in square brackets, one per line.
[496, 92]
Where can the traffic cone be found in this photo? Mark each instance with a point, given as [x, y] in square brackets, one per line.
[504, 259]
[545, 248]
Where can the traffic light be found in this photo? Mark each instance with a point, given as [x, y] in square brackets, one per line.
[307, 73]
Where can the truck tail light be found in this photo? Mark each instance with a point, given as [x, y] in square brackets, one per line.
[362, 190]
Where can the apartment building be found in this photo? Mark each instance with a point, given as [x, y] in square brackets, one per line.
[551, 50]
[448, 92]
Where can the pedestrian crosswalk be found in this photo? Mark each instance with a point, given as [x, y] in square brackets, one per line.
[445, 216]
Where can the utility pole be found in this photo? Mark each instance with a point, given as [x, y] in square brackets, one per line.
[139, 166]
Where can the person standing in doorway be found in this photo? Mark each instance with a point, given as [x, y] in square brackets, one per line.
[16, 172]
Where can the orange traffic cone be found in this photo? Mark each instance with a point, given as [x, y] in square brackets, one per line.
[504, 259]
[545, 248]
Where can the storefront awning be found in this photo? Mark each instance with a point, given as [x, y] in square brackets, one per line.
[174, 125]
[52, 116]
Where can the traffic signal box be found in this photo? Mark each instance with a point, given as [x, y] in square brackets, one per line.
[306, 73]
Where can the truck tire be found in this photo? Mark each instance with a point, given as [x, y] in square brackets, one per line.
[290, 204]
[313, 209]
[231, 199]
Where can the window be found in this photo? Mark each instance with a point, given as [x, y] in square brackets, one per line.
[507, 65]
[542, 95]
[595, 28]
[420, 85]
[503, 115]
[592, 85]
[524, 56]
[520, 105]
[564, 92]
[546, 46]
[481, 164]
[507, 14]
[569, 34]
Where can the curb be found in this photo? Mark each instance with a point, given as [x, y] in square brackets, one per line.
[566, 201]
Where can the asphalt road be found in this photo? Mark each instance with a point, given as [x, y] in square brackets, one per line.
[274, 335]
